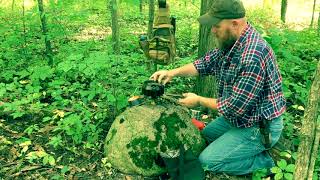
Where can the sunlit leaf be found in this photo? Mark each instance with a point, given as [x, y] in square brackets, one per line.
[58, 113]
[51, 160]
[278, 176]
[288, 176]
[276, 170]
[290, 168]
[282, 164]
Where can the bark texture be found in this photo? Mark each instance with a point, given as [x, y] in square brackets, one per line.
[308, 148]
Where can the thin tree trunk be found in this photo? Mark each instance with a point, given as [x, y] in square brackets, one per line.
[24, 29]
[115, 27]
[45, 33]
[205, 86]
[284, 5]
[141, 6]
[314, 154]
[151, 17]
[313, 10]
[319, 24]
[309, 140]
[12, 5]
[149, 63]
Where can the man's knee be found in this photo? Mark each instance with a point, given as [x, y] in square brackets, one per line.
[208, 163]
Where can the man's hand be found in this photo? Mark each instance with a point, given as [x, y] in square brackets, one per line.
[190, 100]
[162, 76]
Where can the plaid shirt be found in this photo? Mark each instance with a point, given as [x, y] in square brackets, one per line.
[249, 81]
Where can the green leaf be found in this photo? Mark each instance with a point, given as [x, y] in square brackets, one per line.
[288, 176]
[294, 155]
[276, 170]
[45, 160]
[56, 141]
[315, 176]
[290, 168]
[282, 164]
[65, 169]
[46, 119]
[122, 102]
[17, 114]
[111, 98]
[285, 154]
[51, 160]
[2, 89]
[278, 176]
[91, 95]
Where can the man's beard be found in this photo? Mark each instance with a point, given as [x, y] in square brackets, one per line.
[227, 41]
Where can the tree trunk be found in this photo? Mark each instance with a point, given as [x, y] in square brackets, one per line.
[205, 86]
[141, 6]
[319, 24]
[150, 27]
[24, 29]
[45, 33]
[284, 5]
[205, 36]
[313, 10]
[309, 137]
[115, 27]
[151, 17]
[12, 5]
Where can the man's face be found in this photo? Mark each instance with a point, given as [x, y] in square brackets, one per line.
[224, 35]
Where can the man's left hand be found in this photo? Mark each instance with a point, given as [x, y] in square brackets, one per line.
[190, 100]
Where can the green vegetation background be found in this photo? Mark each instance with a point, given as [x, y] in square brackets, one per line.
[53, 120]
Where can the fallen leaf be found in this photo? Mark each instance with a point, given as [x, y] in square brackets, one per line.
[94, 104]
[58, 113]
[25, 143]
[24, 81]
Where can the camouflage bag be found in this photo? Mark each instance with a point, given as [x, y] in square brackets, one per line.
[161, 48]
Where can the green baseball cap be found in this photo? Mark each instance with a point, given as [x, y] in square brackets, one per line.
[222, 9]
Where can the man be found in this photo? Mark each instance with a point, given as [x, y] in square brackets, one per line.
[249, 92]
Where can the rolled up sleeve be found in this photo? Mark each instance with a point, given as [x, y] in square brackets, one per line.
[208, 64]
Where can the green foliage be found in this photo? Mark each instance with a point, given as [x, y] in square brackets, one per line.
[89, 85]
[259, 174]
[283, 170]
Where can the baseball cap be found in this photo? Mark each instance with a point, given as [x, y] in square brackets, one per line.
[222, 9]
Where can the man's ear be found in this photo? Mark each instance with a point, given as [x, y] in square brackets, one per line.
[234, 23]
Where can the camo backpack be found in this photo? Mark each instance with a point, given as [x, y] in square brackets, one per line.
[161, 48]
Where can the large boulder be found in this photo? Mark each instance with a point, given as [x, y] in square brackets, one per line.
[140, 134]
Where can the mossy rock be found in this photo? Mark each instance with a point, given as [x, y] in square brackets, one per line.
[139, 134]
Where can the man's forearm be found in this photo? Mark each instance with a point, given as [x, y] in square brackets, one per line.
[186, 70]
[210, 103]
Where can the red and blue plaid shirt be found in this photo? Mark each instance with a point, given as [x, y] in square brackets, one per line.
[249, 81]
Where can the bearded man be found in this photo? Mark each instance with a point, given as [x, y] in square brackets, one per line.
[250, 97]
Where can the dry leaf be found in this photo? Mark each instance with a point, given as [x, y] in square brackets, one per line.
[94, 104]
[24, 81]
[58, 113]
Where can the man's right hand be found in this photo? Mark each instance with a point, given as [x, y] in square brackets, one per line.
[162, 76]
